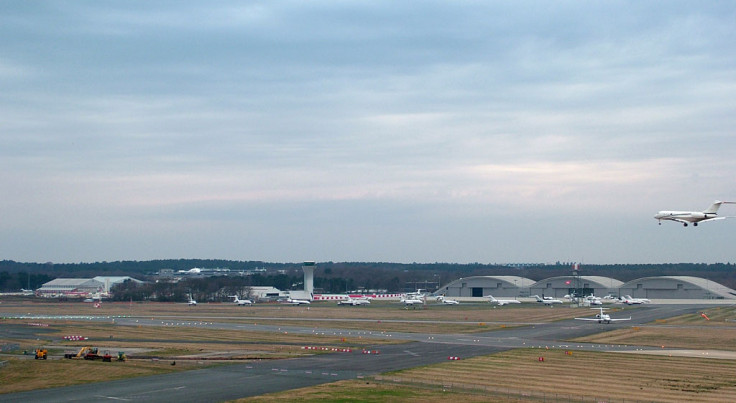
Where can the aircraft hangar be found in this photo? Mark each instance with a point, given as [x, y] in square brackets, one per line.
[676, 287]
[483, 286]
[660, 287]
[580, 285]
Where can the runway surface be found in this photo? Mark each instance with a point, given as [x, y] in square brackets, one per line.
[252, 379]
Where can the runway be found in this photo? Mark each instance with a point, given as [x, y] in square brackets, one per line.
[252, 379]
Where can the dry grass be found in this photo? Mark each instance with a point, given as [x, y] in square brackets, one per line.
[23, 374]
[366, 391]
[620, 376]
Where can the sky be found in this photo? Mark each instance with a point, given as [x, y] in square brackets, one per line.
[383, 131]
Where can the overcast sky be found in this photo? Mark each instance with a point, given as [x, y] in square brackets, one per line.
[402, 131]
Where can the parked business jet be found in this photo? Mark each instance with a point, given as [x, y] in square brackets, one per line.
[446, 301]
[241, 302]
[354, 301]
[298, 301]
[629, 300]
[694, 217]
[411, 300]
[547, 300]
[502, 302]
[593, 300]
[604, 317]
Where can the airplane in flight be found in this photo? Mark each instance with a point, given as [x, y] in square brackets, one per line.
[191, 301]
[502, 302]
[603, 317]
[354, 301]
[241, 302]
[547, 300]
[694, 217]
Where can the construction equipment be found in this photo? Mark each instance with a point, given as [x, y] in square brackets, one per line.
[41, 353]
[121, 356]
[86, 352]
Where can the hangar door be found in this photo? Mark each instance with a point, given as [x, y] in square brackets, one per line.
[477, 291]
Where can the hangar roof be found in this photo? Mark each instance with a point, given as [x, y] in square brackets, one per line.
[510, 280]
[711, 286]
[61, 282]
[600, 281]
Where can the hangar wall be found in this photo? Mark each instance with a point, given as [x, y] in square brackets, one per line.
[663, 287]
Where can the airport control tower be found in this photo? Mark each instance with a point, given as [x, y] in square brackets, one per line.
[308, 268]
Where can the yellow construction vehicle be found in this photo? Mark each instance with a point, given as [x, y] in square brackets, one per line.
[86, 352]
[41, 353]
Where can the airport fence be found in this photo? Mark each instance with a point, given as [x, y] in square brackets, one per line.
[498, 393]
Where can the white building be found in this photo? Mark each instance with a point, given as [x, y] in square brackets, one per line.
[71, 287]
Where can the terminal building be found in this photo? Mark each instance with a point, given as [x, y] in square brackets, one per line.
[661, 287]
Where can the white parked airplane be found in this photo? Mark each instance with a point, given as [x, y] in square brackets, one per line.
[593, 300]
[446, 301]
[412, 300]
[298, 301]
[354, 301]
[502, 302]
[629, 300]
[191, 301]
[241, 302]
[604, 317]
[693, 217]
[547, 300]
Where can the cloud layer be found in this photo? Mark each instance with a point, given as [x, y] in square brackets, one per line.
[283, 131]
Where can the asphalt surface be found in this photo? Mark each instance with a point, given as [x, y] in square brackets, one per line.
[252, 379]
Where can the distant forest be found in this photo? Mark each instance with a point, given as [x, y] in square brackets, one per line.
[331, 277]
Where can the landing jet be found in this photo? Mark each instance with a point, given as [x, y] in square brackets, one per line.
[694, 217]
[603, 317]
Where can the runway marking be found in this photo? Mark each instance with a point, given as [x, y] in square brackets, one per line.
[112, 398]
[411, 354]
[156, 391]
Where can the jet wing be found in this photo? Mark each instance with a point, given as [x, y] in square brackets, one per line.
[595, 319]
[620, 319]
[681, 220]
[714, 218]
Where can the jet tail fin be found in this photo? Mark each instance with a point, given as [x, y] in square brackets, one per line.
[713, 209]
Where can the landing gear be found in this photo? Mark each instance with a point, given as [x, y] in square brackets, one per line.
[695, 224]
[684, 224]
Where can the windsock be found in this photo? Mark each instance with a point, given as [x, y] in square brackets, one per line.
[705, 316]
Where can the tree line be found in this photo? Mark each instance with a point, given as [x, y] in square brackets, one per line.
[331, 277]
